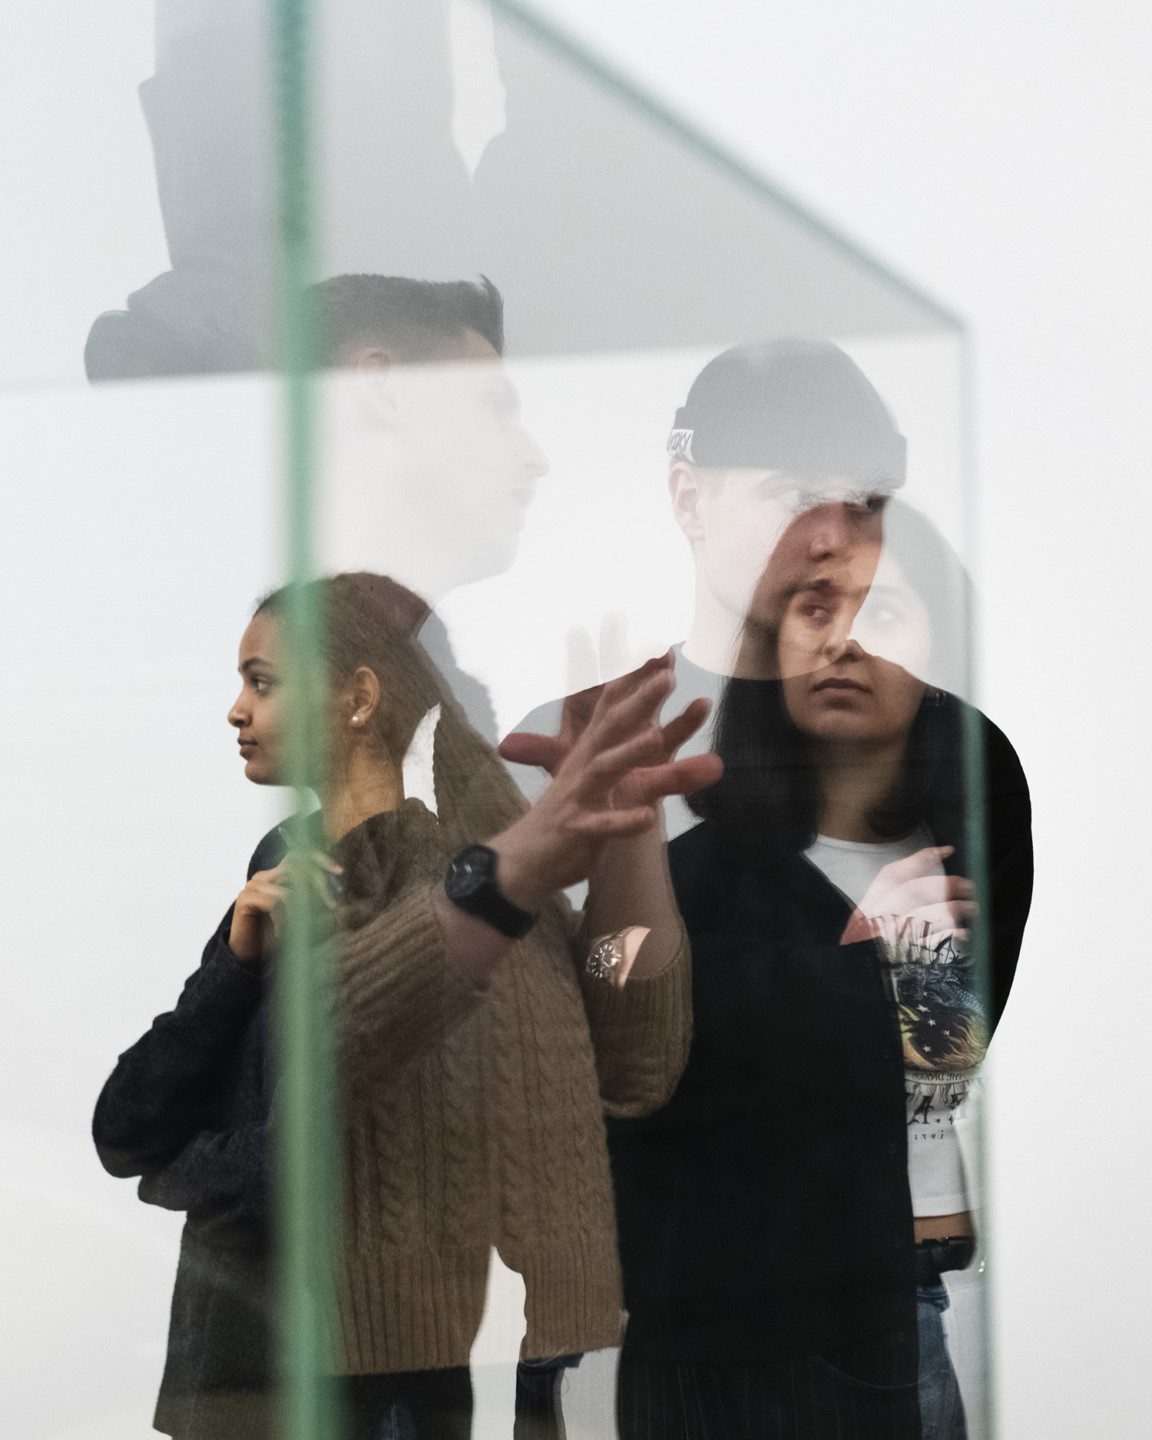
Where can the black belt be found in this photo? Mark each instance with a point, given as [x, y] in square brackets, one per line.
[933, 1257]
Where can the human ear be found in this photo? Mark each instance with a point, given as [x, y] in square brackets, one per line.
[687, 493]
[374, 369]
[364, 698]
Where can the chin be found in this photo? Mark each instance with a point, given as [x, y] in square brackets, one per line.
[489, 558]
[258, 775]
[842, 726]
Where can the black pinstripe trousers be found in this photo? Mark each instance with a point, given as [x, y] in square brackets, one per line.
[865, 1392]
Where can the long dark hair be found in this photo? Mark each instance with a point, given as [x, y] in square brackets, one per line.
[769, 795]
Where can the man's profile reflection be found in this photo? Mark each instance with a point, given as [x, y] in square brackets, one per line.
[427, 468]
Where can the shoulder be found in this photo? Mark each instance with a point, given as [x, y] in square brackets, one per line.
[693, 851]
[1002, 764]
[1004, 780]
[270, 851]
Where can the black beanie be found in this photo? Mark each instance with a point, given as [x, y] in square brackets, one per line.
[795, 405]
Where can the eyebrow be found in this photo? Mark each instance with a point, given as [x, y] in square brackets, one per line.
[252, 664]
[832, 590]
[819, 587]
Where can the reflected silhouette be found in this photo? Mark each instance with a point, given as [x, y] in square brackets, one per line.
[428, 470]
[391, 190]
[586, 176]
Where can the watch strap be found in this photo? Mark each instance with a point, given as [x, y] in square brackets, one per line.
[471, 885]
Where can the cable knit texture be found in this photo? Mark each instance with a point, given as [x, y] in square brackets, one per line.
[475, 1116]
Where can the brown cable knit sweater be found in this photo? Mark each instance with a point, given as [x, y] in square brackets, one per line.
[474, 1117]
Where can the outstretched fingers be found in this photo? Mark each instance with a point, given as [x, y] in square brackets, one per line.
[676, 777]
[526, 747]
[595, 823]
[683, 726]
[630, 703]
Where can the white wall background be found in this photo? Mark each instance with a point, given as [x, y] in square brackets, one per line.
[999, 155]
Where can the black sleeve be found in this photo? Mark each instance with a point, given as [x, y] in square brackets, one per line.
[222, 1171]
[1009, 831]
[163, 1090]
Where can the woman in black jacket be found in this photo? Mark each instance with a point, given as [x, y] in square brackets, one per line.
[775, 1272]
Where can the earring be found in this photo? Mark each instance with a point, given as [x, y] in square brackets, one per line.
[355, 719]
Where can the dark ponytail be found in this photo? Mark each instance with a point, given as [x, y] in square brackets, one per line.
[369, 620]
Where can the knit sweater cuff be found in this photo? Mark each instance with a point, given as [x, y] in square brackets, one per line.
[398, 992]
[641, 1035]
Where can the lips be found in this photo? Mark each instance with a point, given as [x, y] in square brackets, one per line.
[246, 745]
[837, 683]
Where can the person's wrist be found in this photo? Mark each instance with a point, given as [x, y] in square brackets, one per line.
[520, 874]
[244, 958]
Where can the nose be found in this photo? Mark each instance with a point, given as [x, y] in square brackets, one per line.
[840, 642]
[534, 462]
[832, 530]
[238, 715]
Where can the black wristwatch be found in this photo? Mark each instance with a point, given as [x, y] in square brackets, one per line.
[470, 883]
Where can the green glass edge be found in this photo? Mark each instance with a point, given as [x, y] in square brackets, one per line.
[976, 839]
[307, 1189]
[533, 21]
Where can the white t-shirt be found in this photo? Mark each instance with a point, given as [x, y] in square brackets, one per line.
[935, 1170]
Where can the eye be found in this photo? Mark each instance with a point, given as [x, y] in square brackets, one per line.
[815, 613]
[262, 685]
[880, 612]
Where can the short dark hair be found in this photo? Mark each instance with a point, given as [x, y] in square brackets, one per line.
[420, 319]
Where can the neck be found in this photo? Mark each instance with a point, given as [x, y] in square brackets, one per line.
[714, 637]
[854, 781]
[377, 517]
[366, 787]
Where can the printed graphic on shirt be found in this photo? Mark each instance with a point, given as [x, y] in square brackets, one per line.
[942, 1022]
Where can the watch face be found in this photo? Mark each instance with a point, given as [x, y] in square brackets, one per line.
[470, 871]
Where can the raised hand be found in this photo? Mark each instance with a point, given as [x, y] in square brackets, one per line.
[612, 764]
[258, 915]
[651, 778]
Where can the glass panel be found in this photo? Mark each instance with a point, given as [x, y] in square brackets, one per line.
[564, 485]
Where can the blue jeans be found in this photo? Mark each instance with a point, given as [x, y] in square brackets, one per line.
[415, 1405]
[539, 1412]
[941, 1409]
